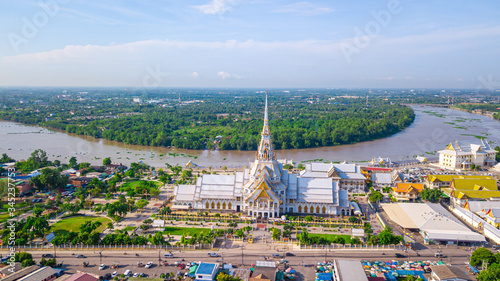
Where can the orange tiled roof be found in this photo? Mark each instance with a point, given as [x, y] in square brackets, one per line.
[408, 187]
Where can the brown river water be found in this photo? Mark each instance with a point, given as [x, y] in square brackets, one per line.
[428, 133]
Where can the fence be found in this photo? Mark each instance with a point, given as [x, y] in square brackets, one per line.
[349, 246]
[112, 247]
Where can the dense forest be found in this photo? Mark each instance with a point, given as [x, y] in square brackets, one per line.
[228, 120]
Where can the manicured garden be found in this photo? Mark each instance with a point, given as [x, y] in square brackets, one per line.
[188, 231]
[73, 223]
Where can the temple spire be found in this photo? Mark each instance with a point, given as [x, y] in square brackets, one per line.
[266, 150]
[266, 119]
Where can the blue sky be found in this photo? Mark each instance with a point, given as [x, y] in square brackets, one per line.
[250, 43]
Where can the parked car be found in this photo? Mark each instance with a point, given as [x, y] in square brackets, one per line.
[179, 273]
[80, 256]
[277, 256]
[149, 264]
[136, 274]
[168, 255]
[213, 255]
[114, 274]
[102, 267]
[47, 256]
[290, 254]
[107, 276]
[127, 273]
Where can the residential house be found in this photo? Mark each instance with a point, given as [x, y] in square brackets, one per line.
[448, 273]
[81, 276]
[407, 191]
[264, 274]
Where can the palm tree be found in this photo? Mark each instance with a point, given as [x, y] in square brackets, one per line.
[130, 203]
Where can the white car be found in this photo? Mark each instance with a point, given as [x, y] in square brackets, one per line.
[102, 267]
[114, 274]
[136, 274]
[149, 264]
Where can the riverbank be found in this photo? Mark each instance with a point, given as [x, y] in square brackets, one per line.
[427, 134]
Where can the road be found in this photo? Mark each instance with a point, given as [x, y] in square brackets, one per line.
[302, 261]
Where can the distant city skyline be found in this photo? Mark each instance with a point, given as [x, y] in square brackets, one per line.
[252, 43]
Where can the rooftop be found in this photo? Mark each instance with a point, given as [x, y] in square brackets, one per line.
[206, 268]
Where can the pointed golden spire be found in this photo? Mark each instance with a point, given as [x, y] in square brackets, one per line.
[266, 150]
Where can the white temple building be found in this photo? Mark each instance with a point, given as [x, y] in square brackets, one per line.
[461, 155]
[267, 190]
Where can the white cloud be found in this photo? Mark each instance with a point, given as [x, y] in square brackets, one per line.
[305, 8]
[226, 75]
[216, 7]
[194, 74]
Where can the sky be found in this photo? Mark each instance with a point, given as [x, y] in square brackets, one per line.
[251, 43]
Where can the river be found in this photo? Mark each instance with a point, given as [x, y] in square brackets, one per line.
[432, 130]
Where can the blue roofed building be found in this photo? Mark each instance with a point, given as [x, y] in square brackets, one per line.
[206, 271]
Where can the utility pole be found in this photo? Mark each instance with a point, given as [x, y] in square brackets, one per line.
[242, 246]
[100, 257]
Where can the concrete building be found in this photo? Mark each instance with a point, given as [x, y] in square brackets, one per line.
[460, 155]
[266, 190]
[43, 274]
[347, 270]
[206, 271]
[434, 223]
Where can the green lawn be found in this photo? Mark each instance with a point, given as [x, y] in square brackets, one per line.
[129, 228]
[73, 223]
[184, 230]
[131, 185]
[330, 237]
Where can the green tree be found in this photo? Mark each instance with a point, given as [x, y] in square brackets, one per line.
[276, 234]
[492, 273]
[6, 159]
[158, 239]
[375, 196]
[432, 195]
[106, 161]
[480, 255]
[26, 259]
[141, 204]
[73, 163]
[226, 277]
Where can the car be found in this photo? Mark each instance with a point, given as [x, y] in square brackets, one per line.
[213, 255]
[398, 255]
[277, 256]
[136, 274]
[168, 255]
[47, 256]
[127, 273]
[102, 267]
[80, 256]
[179, 273]
[149, 264]
[107, 276]
[142, 275]
[290, 254]
[114, 274]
